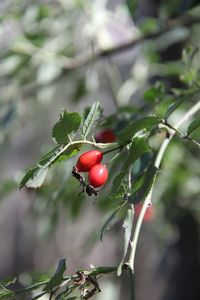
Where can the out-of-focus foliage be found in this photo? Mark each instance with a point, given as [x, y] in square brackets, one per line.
[48, 59]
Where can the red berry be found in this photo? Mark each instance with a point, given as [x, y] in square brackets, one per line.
[149, 214]
[105, 136]
[88, 159]
[98, 175]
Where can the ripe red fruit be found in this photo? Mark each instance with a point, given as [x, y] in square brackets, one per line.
[98, 175]
[88, 159]
[149, 214]
[105, 136]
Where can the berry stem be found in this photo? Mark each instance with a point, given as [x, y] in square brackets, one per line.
[119, 147]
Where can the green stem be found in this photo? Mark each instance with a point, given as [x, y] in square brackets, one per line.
[119, 147]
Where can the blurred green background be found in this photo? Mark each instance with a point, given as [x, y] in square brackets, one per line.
[39, 77]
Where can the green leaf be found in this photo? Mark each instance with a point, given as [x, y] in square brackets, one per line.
[144, 190]
[127, 226]
[91, 119]
[36, 176]
[173, 107]
[105, 227]
[57, 277]
[145, 123]
[141, 164]
[138, 147]
[67, 123]
[193, 126]
[58, 154]
[117, 181]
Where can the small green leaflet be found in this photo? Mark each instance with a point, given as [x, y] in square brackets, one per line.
[193, 126]
[144, 190]
[105, 227]
[91, 119]
[57, 277]
[68, 122]
[145, 123]
[127, 226]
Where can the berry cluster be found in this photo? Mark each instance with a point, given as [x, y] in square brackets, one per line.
[90, 162]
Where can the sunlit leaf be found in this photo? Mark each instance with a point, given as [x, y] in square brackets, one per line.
[136, 126]
[68, 122]
[36, 176]
[91, 119]
[58, 154]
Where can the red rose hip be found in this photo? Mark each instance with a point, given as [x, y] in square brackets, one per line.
[88, 159]
[98, 175]
[149, 214]
[105, 136]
